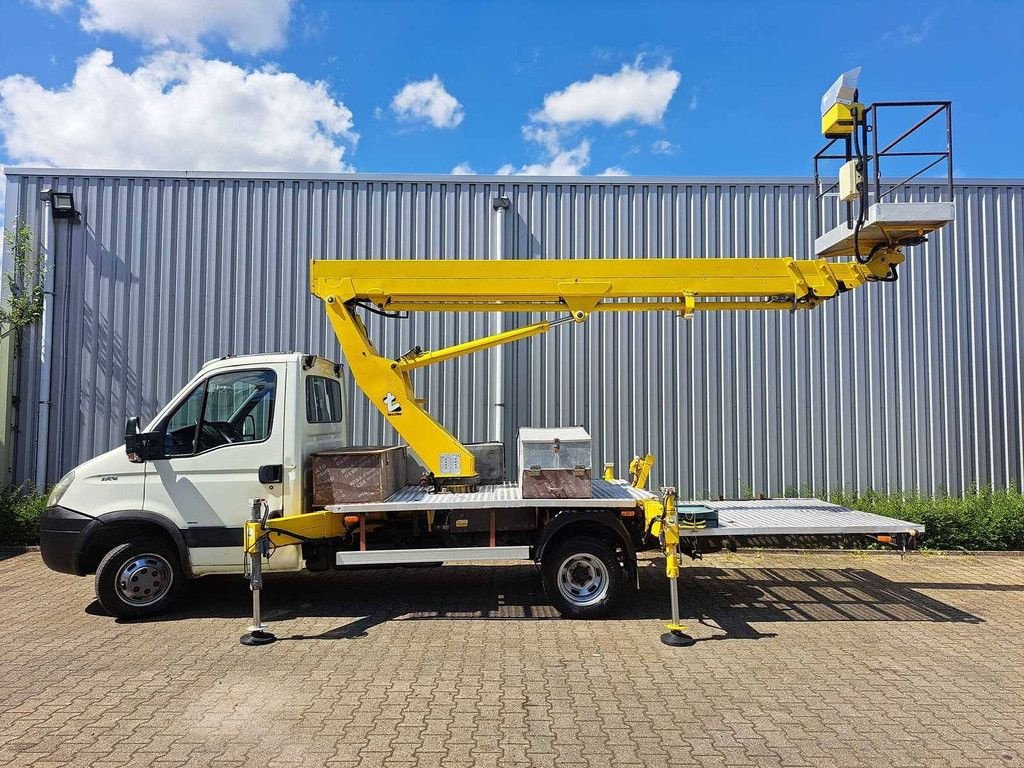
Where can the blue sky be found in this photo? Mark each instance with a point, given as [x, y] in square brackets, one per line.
[660, 88]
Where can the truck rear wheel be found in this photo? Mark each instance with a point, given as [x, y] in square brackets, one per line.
[139, 578]
[582, 578]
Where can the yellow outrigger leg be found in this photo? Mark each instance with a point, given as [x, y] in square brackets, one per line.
[676, 635]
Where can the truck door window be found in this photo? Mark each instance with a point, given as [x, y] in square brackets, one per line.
[180, 432]
[323, 400]
[235, 407]
[231, 399]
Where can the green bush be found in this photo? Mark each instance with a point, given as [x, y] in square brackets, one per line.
[20, 509]
[984, 519]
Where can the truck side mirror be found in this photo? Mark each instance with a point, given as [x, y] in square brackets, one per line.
[141, 446]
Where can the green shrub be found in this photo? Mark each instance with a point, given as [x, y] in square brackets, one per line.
[984, 519]
[20, 509]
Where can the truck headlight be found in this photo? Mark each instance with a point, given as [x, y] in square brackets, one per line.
[60, 489]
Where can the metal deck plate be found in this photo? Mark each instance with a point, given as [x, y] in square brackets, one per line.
[796, 517]
[885, 223]
[616, 494]
[771, 517]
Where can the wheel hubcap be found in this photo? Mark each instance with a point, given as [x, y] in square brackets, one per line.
[583, 579]
[144, 579]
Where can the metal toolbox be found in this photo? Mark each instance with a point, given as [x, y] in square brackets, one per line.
[350, 475]
[490, 462]
[555, 463]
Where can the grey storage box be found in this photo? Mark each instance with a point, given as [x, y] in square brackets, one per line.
[696, 516]
[555, 463]
[490, 462]
[352, 475]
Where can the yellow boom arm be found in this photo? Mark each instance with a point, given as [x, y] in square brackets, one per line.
[574, 286]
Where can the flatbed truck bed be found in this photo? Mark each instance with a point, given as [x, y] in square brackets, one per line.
[736, 519]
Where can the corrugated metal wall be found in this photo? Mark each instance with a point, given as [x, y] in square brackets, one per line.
[911, 385]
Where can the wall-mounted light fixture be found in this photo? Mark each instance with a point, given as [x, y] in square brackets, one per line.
[63, 205]
[500, 203]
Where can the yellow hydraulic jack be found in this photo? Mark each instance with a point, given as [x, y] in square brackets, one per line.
[257, 545]
[669, 534]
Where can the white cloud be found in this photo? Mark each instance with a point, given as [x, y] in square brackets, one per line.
[614, 171]
[176, 110]
[314, 25]
[428, 100]
[693, 100]
[561, 161]
[53, 6]
[664, 147]
[632, 93]
[248, 26]
[463, 169]
[910, 34]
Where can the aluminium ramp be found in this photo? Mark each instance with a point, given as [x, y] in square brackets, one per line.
[796, 517]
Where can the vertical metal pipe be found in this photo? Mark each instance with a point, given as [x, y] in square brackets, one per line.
[257, 575]
[500, 205]
[673, 591]
[46, 341]
[865, 188]
[874, 154]
[949, 150]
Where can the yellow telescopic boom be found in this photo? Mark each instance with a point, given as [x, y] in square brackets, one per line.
[574, 288]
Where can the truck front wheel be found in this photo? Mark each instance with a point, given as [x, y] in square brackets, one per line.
[139, 578]
[582, 578]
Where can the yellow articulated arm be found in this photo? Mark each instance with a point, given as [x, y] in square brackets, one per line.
[576, 287]
[640, 470]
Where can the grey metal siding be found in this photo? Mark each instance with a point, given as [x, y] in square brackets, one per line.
[913, 385]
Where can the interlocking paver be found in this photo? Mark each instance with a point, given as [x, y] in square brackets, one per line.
[825, 659]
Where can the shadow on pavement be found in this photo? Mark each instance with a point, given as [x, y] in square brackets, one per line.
[7, 553]
[729, 600]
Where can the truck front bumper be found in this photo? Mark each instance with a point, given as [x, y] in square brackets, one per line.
[60, 537]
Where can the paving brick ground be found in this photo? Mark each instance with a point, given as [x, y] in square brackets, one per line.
[804, 660]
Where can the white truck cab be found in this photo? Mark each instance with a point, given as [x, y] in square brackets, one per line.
[172, 502]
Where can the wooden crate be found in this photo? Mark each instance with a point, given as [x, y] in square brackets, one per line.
[352, 475]
[539, 483]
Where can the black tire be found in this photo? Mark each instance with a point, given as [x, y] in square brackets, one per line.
[139, 578]
[583, 578]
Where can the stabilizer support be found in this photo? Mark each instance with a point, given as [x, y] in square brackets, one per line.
[256, 548]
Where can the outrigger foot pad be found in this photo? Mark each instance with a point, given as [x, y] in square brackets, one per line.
[677, 639]
[257, 637]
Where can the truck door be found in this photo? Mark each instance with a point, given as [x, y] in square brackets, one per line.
[215, 440]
